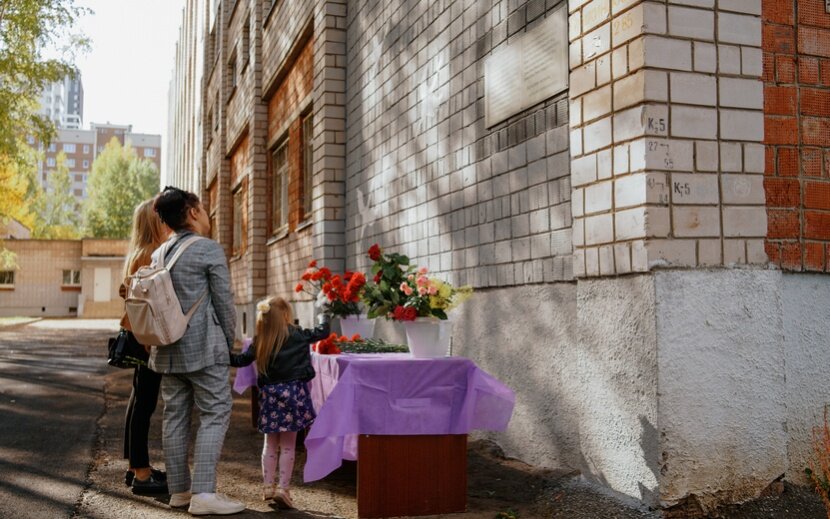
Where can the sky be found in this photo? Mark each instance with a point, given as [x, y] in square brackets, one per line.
[127, 72]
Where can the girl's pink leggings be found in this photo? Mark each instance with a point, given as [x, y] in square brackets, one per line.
[278, 446]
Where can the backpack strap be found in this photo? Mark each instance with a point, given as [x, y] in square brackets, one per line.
[193, 308]
[187, 243]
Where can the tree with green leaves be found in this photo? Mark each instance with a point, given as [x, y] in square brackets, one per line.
[58, 209]
[29, 29]
[119, 181]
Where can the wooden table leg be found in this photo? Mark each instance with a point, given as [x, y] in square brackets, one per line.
[254, 406]
[411, 475]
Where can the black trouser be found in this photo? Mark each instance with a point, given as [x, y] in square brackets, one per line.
[140, 409]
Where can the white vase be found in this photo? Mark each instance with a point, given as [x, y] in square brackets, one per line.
[357, 324]
[428, 338]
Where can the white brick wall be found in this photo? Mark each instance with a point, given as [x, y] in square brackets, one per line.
[426, 178]
[686, 129]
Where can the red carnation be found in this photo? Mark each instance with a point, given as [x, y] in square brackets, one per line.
[374, 252]
[377, 277]
[299, 287]
[306, 276]
[325, 272]
[312, 264]
[355, 337]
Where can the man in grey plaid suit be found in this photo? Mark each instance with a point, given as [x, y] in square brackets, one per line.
[195, 369]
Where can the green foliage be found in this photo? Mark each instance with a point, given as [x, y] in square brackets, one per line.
[119, 181]
[58, 209]
[372, 346]
[509, 514]
[383, 295]
[27, 29]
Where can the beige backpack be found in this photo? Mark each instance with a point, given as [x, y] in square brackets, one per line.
[153, 307]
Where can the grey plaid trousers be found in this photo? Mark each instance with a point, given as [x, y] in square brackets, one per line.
[210, 391]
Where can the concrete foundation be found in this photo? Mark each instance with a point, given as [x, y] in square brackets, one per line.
[680, 387]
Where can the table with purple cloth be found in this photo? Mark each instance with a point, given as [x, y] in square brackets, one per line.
[394, 394]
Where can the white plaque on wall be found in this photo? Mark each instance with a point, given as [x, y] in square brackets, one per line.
[528, 70]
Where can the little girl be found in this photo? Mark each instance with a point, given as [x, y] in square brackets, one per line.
[283, 360]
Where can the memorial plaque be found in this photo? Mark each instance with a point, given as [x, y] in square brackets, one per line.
[528, 70]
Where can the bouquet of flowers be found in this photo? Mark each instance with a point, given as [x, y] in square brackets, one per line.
[334, 345]
[336, 295]
[402, 292]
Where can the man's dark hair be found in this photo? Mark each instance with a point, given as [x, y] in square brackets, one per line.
[172, 205]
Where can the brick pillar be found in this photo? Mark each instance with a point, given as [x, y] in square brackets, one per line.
[258, 175]
[666, 131]
[329, 163]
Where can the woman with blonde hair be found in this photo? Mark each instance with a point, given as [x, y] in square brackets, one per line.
[148, 233]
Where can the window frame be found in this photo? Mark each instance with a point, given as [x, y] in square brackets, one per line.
[74, 278]
[279, 180]
[238, 231]
[5, 283]
[307, 172]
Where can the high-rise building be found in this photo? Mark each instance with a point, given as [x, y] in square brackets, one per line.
[184, 124]
[81, 147]
[63, 102]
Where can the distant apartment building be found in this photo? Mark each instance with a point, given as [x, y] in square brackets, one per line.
[184, 135]
[63, 102]
[81, 147]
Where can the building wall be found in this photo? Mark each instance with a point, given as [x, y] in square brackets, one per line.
[184, 138]
[425, 176]
[39, 290]
[797, 110]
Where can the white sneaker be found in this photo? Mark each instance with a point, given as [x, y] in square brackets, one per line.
[214, 504]
[179, 500]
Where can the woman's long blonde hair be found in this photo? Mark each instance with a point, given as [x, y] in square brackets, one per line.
[148, 232]
[271, 329]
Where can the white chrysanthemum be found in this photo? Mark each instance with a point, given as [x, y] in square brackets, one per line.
[263, 307]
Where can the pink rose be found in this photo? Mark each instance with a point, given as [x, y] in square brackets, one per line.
[406, 289]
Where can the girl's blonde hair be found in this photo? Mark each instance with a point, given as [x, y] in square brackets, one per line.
[148, 233]
[273, 316]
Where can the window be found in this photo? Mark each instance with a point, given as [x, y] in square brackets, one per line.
[79, 177]
[246, 41]
[70, 163]
[72, 278]
[86, 164]
[279, 187]
[68, 148]
[86, 148]
[149, 152]
[52, 147]
[306, 184]
[238, 227]
[50, 162]
[216, 114]
[6, 278]
[30, 139]
[232, 69]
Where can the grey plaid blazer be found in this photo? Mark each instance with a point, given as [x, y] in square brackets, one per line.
[210, 334]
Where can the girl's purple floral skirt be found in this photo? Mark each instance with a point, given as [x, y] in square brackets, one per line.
[285, 407]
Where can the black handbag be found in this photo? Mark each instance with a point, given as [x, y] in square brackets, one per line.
[123, 351]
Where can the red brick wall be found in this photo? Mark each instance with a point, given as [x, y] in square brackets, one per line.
[796, 42]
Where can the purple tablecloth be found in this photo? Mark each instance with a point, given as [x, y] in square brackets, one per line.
[394, 394]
